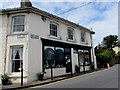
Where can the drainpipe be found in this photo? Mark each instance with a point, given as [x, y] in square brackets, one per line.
[6, 44]
[92, 49]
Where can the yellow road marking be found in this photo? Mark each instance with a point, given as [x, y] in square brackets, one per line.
[67, 79]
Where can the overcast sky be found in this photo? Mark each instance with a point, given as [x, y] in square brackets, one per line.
[100, 15]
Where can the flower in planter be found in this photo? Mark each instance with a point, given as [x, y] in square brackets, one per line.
[4, 79]
[40, 75]
[77, 68]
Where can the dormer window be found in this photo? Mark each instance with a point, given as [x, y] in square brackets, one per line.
[70, 34]
[18, 24]
[53, 29]
[83, 36]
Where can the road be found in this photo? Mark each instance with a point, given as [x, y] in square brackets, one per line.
[101, 79]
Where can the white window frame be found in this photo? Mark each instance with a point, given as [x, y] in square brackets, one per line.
[53, 30]
[84, 33]
[71, 34]
[21, 59]
[13, 25]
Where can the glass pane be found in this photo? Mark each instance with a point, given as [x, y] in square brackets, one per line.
[19, 20]
[18, 28]
[16, 57]
[15, 65]
[59, 57]
[81, 56]
[67, 50]
[83, 36]
[48, 56]
[87, 57]
[53, 29]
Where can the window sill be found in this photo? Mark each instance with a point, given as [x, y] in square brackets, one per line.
[16, 75]
[55, 67]
[83, 42]
[71, 40]
[17, 33]
[54, 37]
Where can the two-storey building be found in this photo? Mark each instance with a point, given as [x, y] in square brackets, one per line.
[36, 40]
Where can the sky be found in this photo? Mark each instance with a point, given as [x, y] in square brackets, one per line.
[101, 16]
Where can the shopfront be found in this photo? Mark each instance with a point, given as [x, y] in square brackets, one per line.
[58, 55]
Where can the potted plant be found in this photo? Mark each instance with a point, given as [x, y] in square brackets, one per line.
[77, 68]
[4, 79]
[40, 75]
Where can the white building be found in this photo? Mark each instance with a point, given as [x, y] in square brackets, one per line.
[37, 39]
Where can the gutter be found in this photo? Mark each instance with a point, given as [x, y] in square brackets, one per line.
[46, 14]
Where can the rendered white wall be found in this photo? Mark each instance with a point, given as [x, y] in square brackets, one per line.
[56, 72]
[34, 58]
[1, 62]
[74, 61]
[33, 47]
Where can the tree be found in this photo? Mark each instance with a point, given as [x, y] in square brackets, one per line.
[109, 42]
[104, 57]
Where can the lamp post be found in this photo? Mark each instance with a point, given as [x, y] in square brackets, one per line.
[84, 67]
[52, 71]
[21, 73]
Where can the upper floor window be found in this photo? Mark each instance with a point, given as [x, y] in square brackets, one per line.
[70, 34]
[83, 35]
[18, 24]
[53, 29]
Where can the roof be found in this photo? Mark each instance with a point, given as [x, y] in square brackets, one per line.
[41, 12]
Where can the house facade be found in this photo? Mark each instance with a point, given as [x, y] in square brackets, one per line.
[36, 41]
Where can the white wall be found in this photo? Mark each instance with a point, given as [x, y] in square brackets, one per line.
[34, 58]
[1, 62]
[33, 47]
[56, 72]
[3, 32]
[41, 28]
[74, 59]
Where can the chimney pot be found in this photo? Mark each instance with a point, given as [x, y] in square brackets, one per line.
[25, 3]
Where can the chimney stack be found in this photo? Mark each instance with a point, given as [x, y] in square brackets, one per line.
[25, 3]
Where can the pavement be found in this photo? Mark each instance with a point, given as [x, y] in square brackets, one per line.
[45, 81]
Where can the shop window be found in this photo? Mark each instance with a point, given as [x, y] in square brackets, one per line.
[18, 24]
[84, 57]
[81, 57]
[55, 56]
[16, 58]
[48, 56]
[59, 57]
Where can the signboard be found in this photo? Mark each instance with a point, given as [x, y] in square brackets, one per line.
[34, 36]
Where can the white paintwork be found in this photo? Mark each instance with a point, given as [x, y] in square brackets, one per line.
[32, 48]
[74, 60]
